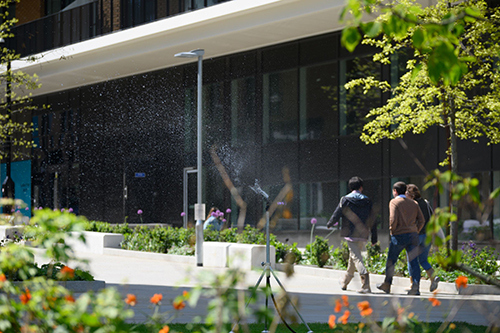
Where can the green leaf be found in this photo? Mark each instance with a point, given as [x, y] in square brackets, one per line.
[418, 38]
[415, 72]
[350, 38]
[371, 29]
[495, 193]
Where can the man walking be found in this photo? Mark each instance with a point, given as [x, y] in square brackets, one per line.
[355, 209]
[405, 222]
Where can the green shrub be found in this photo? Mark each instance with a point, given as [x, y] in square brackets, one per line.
[319, 251]
[340, 256]
[287, 253]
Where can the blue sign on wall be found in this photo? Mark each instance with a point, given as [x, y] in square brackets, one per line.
[140, 175]
[21, 175]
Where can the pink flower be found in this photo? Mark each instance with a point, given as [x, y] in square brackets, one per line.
[183, 214]
[27, 208]
[71, 210]
[314, 221]
[220, 213]
[223, 220]
[228, 210]
[139, 211]
[214, 214]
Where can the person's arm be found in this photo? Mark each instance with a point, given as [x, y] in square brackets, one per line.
[392, 216]
[420, 219]
[337, 214]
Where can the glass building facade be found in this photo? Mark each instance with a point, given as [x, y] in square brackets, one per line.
[111, 149]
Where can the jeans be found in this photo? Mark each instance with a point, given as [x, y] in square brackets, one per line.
[398, 243]
[423, 254]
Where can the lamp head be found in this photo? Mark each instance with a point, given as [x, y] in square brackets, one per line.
[191, 54]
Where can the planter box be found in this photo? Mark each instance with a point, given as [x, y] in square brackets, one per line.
[242, 256]
[96, 242]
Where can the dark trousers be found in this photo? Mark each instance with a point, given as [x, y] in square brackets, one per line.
[398, 243]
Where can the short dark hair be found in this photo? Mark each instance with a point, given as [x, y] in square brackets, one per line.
[400, 187]
[413, 191]
[355, 183]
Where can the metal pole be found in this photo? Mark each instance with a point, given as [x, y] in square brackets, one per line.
[199, 223]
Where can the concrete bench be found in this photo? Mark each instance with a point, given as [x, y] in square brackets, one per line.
[10, 231]
[95, 242]
[236, 255]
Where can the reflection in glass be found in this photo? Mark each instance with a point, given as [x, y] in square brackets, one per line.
[355, 103]
[280, 106]
[317, 200]
[319, 102]
[213, 114]
[243, 111]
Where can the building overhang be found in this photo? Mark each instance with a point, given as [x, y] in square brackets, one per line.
[223, 29]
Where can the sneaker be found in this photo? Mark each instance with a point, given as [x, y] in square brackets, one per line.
[385, 287]
[415, 292]
[434, 283]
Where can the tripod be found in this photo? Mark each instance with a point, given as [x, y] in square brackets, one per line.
[268, 270]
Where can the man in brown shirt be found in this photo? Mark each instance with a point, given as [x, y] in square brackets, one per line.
[405, 221]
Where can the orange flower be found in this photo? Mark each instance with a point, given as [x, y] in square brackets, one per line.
[461, 282]
[411, 314]
[345, 300]
[165, 329]
[185, 294]
[364, 308]
[345, 317]
[434, 301]
[69, 298]
[3, 278]
[179, 304]
[338, 305]
[25, 297]
[67, 273]
[331, 321]
[131, 299]
[452, 326]
[156, 298]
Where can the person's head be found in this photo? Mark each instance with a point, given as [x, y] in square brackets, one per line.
[399, 188]
[213, 210]
[355, 183]
[413, 192]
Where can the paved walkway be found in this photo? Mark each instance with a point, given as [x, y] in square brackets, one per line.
[316, 294]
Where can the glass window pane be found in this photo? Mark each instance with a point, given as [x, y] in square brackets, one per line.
[243, 111]
[317, 200]
[199, 4]
[213, 113]
[354, 104]
[190, 122]
[319, 102]
[149, 11]
[280, 107]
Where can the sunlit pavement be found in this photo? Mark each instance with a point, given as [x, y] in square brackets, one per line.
[316, 294]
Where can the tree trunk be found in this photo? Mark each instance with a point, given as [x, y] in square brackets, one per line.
[454, 169]
[449, 120]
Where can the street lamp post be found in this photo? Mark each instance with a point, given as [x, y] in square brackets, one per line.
[199, 211]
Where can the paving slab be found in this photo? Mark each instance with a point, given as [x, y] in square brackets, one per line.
[316, 293]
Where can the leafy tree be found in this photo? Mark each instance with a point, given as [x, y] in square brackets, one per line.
[452, 77]
[15, 101]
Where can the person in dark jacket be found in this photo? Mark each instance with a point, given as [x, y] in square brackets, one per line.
[413, 192]
[355, 209]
